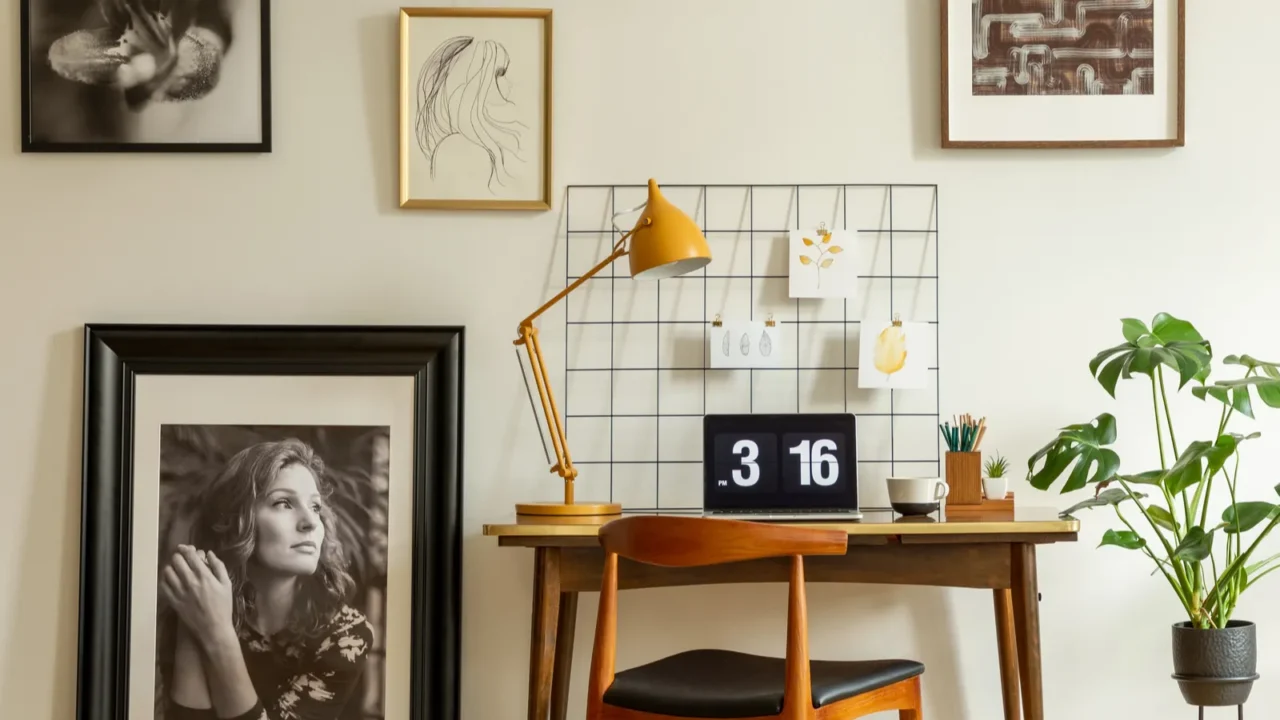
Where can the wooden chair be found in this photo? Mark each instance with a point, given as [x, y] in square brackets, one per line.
[725, 684]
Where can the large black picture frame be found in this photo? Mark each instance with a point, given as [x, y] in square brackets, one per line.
[30, 145]
[116, 354]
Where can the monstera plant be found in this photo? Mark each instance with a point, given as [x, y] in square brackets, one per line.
[1208, 557]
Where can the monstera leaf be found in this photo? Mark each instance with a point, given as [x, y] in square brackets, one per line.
[1081, 444]
[1127, 539]
[1169, 341]
[1263, 377]
[1195, 546]
[1199, 460]
[1245, 516]
[1106, 498]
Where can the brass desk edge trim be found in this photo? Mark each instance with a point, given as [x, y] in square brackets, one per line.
[1065, 527]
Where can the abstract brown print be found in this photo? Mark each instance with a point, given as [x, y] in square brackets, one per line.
[1063, 47]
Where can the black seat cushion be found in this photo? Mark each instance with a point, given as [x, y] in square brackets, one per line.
[726, 684]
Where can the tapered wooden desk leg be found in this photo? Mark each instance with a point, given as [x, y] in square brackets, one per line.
[567, 624]
[542, 634]
[1026, 616]
[1007, 643]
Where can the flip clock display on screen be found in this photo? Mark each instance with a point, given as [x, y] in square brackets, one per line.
[756, 461]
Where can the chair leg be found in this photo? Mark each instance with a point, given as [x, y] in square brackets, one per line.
[916, 711]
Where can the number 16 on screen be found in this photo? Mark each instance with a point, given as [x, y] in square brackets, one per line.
[808, 462]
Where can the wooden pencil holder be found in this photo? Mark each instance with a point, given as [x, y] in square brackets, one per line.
[964, 475]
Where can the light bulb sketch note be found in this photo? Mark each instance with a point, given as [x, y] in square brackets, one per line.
[474, 107]
[822, 263]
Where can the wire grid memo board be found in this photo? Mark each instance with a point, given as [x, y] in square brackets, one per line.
[637, 381]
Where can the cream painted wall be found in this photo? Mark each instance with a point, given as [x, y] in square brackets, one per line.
[1042, 253]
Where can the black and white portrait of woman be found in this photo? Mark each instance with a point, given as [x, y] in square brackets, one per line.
[271, 573]
[121, 74]
[476, 106]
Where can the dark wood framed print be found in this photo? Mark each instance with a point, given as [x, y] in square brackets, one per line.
[146, 75]
[1063, 73]
[475, 108]
[271, 523]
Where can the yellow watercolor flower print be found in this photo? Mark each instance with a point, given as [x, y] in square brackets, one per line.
[891, 350]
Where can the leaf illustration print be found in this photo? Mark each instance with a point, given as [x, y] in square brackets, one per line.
[746, 344]
[821, 262]
[725, 344]
[766, 345]
[891, 350]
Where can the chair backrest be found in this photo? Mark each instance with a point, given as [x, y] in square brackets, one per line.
[693, 541]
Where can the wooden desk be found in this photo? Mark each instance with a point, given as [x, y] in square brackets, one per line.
[969, 550]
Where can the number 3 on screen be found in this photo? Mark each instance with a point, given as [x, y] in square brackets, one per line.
[816, 466]
[749, 451]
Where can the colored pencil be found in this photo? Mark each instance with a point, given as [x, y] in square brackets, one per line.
[963, 433]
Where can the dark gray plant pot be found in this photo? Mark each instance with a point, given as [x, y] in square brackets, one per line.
[1215, 668]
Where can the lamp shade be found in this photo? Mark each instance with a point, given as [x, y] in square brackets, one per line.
[667, 242]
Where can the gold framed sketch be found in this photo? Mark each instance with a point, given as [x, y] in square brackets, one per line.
[1063, 73]
[475, 108]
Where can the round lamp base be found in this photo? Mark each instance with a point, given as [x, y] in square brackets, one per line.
[560, 509]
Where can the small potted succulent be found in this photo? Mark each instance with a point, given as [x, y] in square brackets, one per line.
[995, 480]
[1208, 558]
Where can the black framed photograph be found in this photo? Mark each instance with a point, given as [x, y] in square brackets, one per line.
[271, 523]
[146, 75]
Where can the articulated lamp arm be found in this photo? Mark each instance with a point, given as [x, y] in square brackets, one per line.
[529, 339]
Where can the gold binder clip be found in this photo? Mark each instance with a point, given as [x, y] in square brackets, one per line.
[897, 320]
[822, 227]
[716, 322]
[770, 322]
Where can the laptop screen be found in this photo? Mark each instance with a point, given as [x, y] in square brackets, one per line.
[780, 462]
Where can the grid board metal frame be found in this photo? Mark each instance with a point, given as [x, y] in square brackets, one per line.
[798, 192]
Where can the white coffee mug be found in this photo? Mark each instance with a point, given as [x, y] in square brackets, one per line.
[916, 496]
[995, 488]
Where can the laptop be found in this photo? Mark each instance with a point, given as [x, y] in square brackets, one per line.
[780, 467]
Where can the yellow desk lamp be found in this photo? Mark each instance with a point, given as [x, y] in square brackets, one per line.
[665, 243]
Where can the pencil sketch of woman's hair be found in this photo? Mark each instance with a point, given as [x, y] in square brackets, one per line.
[460, 88]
